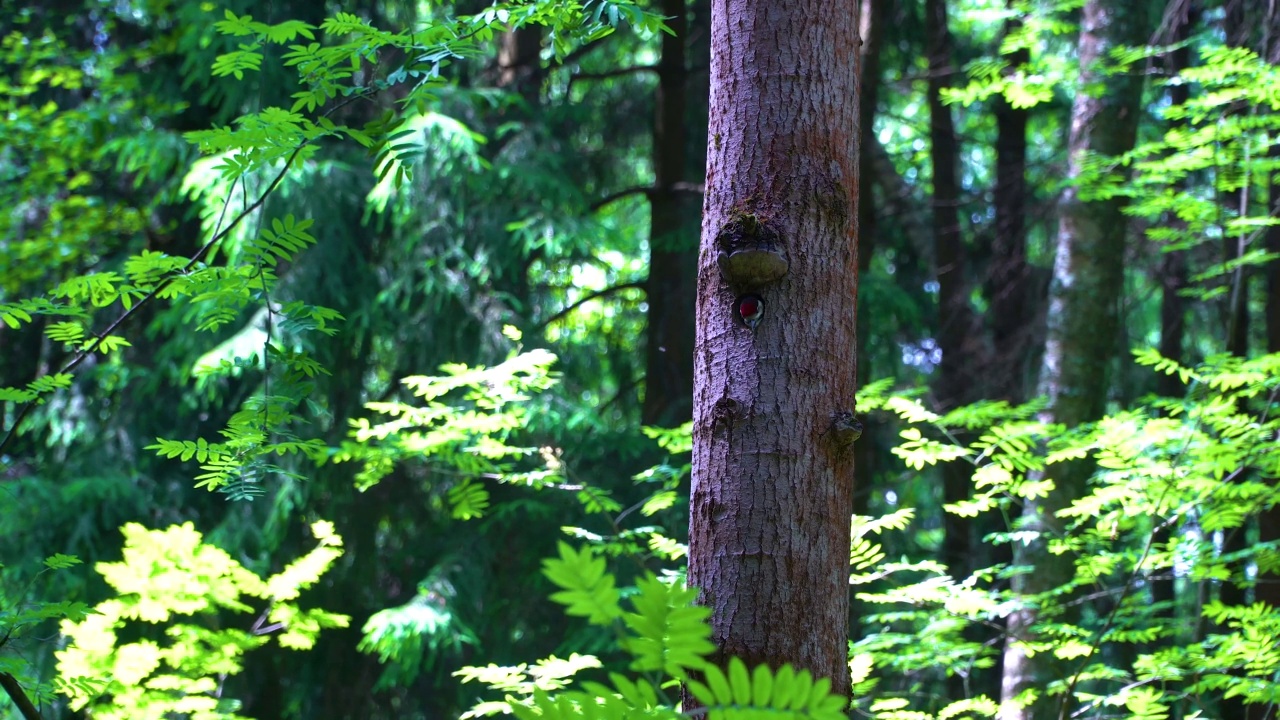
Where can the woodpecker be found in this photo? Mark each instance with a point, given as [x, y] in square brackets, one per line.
[750, 310]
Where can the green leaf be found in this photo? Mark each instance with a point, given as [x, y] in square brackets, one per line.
[588, 590]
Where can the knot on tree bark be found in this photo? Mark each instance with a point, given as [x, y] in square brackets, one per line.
[749, 253]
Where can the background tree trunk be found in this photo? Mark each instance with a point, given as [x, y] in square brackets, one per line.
[772, 478]
[957, 334]
[871, 30]
[1088, 278]
[1173, 307]
[673, 221]
[1012, 316]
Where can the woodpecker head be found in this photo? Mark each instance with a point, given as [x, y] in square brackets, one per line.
[750, 310]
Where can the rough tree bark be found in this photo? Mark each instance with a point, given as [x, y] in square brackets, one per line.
[772, 464]
[1083, 321]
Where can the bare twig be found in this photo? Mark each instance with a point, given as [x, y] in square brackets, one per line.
[588, 298]
[647, 191]
[616, 72]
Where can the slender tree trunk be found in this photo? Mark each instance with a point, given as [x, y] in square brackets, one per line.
[1173, 307]
[956, 337]
[1173, 313]
[672, 283]
[1273, 203]
[1009, 277]
[1236, 202]
[520, 62]
[1268, 587]
[772, 472]
[956, 329]
[871, 30]
[1081, 342]
[1012, 321]
[1269, 520]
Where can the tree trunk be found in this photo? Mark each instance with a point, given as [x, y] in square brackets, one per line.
[772, 468]
[673, 221]
[1013, 324]
[956, 332]
[955, 321]
[1173, 307]
[1267, 589]
[871, 29]
[1236, 312]
[520, 62]
[1009, 286]
[1081, 342]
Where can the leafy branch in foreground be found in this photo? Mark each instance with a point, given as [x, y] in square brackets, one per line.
[1172, 478]
[667, 641]
[269, 142]
[170, 574]
[19, 620]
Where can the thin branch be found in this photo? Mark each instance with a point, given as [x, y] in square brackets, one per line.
[97, 339]
[578, 53]
[19, 697]
[592, 296]
[648, 191]
[616, 72]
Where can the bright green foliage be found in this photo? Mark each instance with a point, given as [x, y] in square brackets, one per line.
[1205, 465]
[463, 428]
[1030, 83]
[588, 589]
[171, 579]
[667, 636]
[259, 151]
[1230, 148]
[20, 618]
[366, 202]
[671, 633]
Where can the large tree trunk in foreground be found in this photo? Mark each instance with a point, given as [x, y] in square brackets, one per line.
[772, 472]
[1088, 277]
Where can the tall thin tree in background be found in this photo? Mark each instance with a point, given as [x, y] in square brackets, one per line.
[673, 220]
[774, 357]
[1012, 314]
[871, 30]
[958, 338]
[1269, 520]
[1088, 279]
[1172, 276]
